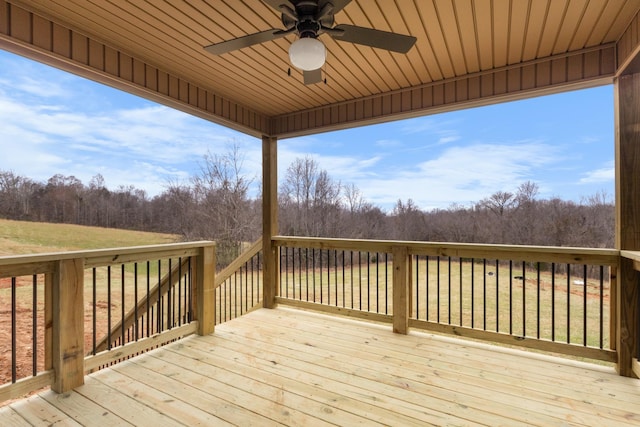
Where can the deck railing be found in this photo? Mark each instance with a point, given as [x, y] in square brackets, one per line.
[550, 298]
[239, 285]
[70, 313]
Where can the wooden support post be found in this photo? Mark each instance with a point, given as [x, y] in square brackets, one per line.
[269, 220]
[205, 290]
[627, 155]
[627, 327]
[401, 289]
[67, 346]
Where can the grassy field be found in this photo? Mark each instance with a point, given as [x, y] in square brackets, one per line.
[21, 237]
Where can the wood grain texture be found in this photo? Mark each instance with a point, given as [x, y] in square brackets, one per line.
[466, 250]
[401, 289]
[627, 204]
[205, 292]
[291, 367]
[269, 219]
[68, 325]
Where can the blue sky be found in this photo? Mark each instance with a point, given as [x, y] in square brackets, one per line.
[53, 122]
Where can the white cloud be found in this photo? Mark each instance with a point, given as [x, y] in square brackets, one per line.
[445, 139]
[460, 175]
[605, 174]
[388, 143]
[144, 145]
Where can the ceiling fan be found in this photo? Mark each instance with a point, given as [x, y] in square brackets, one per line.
[309, 19]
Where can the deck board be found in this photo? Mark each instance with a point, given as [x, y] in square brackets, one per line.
[37, 411]
[291, 367]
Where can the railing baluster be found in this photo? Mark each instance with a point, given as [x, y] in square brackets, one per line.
[343, 282]
[180, 296]
[497, 296]
[602, 309]
[14, 358]
[135, 301]
[484, 294]
[149, 315]
[286, 275]
[585, 290]
[34, 325]
[300, 276]
[368, 281]
[94, 313]
[109, 308]
[538, 301]
[159, 312]
[438, 288]
[524, 300]
[320, 276]
[122, 290]
[377, 281]
[417, 282]
[427, 288]
[386, 283]
[449, 290]
[328, 276]
[473, 293]
[510, 297]
[568, 303]
[351, 261]
[246, 286]
[335, 274]
[460, 294]
[553, 301]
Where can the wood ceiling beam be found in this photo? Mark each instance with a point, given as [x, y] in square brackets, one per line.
[582, 69]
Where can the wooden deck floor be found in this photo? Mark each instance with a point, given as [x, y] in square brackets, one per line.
[285, 366]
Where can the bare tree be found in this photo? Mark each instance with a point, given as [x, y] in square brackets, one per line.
[408, 222]
[224, 210]
[15, 195]
[310, 200]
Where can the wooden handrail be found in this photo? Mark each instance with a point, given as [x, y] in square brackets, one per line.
[103, 257]
[633, 256]
[245, 256]
[601, 256]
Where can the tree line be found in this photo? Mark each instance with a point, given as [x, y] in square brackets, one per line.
[216, 204]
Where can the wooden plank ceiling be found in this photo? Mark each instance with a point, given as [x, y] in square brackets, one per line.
[467, 52]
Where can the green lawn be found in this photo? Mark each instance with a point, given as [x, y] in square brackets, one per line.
[22, 237]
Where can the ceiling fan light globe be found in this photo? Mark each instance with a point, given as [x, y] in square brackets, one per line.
[307, 54]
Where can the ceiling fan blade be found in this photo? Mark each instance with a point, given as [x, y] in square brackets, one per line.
[313, 76]
[338, 5]
[375, 38]
[277, 3]
[245, 41]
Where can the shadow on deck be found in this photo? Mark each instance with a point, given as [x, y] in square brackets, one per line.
[291, 367]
